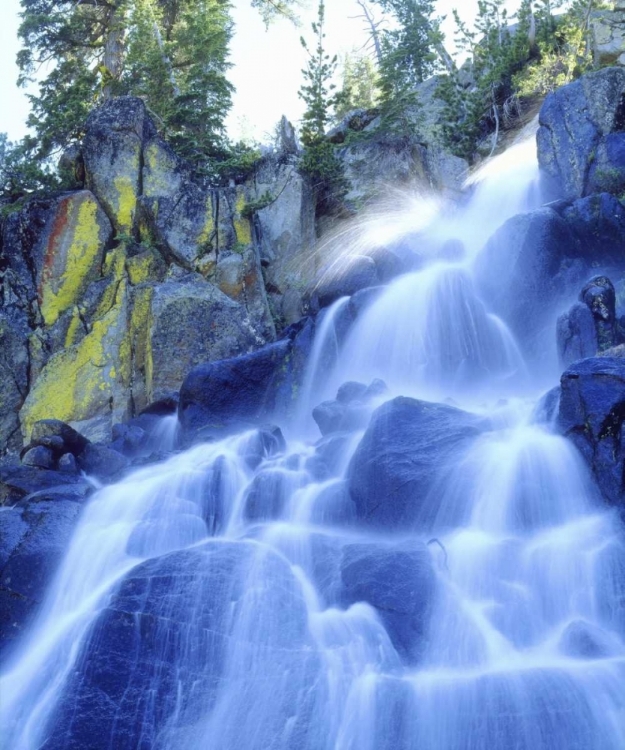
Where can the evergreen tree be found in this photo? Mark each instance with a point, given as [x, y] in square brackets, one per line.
[360, 88]
[173, 53]
[272, 9]
[408, 46]
[319, 160]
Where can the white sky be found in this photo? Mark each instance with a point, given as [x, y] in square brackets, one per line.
[267, 64]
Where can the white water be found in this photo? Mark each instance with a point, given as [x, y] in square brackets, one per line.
[256, 646]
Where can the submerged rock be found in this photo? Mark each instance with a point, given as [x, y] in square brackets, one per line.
[229, 615]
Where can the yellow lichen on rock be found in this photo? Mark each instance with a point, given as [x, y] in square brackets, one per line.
[242, 226]
[143, 267]
[208, 229]
[126, 202]
[79, 382]
[72, 257]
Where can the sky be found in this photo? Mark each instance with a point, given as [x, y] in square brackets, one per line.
[267, 64]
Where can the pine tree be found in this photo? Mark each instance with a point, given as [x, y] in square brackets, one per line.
[360, 87]
[319, 160]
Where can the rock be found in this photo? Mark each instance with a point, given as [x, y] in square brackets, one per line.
[345, 277]
[263, 444]
[101, 462]
[40, 457]
[179, 325]
[576, 335]
[356, 121]
[112, 152]
[329, 416]
[233, 393]
[592, 415]
[608, 36]
[267, 494]
[584, 640]
[406, 449]
[71, 440]
[14, 375]
[581, 139]
[216, 598]
[537, 261]
[600, 298]
[351, 391]
[284, 230]
[34, 537]
[18, 482]
[398, 580]
[67, 464]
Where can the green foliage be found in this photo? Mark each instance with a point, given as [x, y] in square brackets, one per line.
[407, 47]
[237, 162]
[360, 85]
[562, 52]
[250, 208]
[319, 160]
[21, 173]
[273, 9]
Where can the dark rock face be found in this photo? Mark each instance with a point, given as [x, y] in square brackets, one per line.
[393, 474]
[174, 622]
[537, 261]
[592, 415]
[18, 481]
[399, 582]
[345, 277]
[233, 392]
[350, 410]
[590, 327]
[34, 536]
[581, 139]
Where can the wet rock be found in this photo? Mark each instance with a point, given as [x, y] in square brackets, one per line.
[140, 646]
[67, 464]
[232, 393]
[39, 457]
[34, 537]
[18, 481]
[350, 411]
[404, 452]
[599, 297]
[345, 277]
[537, 262]
[71, 440]
[351, 391]
[584, 640]
[581, 139]
[266, 496]
[576, 335]
[329, 416]
[101, 462]
[592, 415]
[398, 581]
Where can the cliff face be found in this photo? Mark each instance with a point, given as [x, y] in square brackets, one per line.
[110, 293]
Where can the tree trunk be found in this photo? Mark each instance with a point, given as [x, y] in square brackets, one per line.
[114, 49]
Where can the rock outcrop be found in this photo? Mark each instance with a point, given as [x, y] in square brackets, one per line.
[608, 35]
[581, 139]
[112, 293]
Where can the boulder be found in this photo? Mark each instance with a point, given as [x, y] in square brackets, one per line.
[234, 393]
[102, 462]
[399, 582]
[592, 415]
[18, 481]
[350, 411]
[39, 457]
[344, 277]
[175, 630]
[405, 451]
[536, 262]
[113, 151]
[34, 536]
[581, 138]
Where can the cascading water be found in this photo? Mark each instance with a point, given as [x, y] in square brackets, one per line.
[217, 601]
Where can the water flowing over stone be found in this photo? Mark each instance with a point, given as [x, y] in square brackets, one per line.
[427, 576]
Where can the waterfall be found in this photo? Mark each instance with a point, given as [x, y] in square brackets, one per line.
[214, 601]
